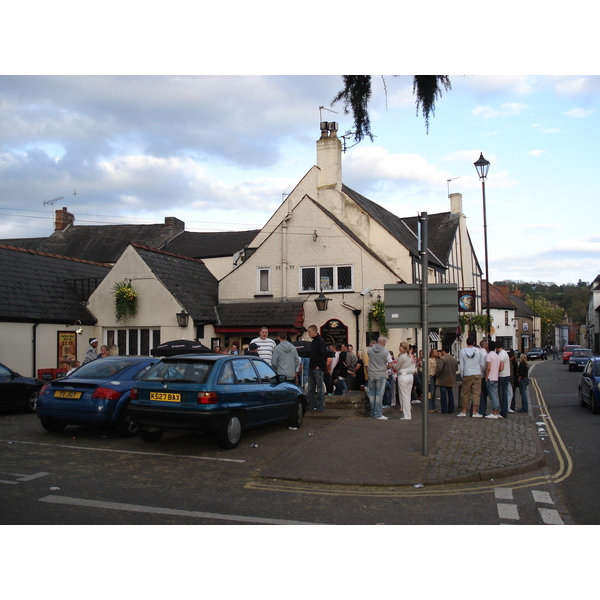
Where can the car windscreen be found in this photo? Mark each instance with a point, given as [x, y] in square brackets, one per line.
[587, 353]
[184, 371]
[101, 368]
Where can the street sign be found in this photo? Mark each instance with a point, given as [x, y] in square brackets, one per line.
[403, 305]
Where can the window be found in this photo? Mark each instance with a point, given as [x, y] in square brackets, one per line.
[244, 371]
[335, 278]
[506, 317]
[263, 284]
[133, 341]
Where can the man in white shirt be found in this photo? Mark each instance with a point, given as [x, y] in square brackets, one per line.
[265, 345]
[503, 379]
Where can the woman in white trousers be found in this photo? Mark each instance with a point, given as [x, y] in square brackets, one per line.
[405, 368]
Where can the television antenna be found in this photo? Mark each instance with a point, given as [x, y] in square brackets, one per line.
[54, 201]
[448, 182]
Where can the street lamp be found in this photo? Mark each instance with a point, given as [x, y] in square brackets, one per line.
[483, 167]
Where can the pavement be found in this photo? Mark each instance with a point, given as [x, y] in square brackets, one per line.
[353, 449]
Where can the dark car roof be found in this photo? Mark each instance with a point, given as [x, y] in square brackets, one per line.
[207, 357]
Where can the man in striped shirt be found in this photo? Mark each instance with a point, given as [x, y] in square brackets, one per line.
[265, 345]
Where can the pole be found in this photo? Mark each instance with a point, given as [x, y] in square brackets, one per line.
[487, 272]
[424, 242]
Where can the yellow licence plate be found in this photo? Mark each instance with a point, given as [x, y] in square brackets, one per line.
[165, 397]
[73, 395]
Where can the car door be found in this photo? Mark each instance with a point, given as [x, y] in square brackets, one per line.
[278, 395]
[251, 392]
[587, 380]
[9, 390]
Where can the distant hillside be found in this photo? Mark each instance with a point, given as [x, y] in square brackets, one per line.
[573, 299]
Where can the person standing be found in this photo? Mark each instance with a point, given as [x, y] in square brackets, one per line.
[470, 371]
[360, 381]
[316, 370]
[523, 376]
[493, 367]
[265, 345]
[285, 358]
[91, 353]
[405, 368]
[483, 351]
[447, 380]
[433, 369]
[351, 360]
[378, 365]
[503, 380]
[235, 349]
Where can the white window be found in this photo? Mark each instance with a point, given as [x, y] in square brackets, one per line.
[336, 278]
[133, 341]
[263, 280]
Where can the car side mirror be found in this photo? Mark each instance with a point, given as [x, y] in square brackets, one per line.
[281, 378]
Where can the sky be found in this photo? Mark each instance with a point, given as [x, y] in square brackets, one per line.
[220, 150]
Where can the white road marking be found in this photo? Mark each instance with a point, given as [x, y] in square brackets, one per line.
[503, 493]
[234, 460]
[166, 511]
[550, 516]
[543, 497]
[508, 511]
[20, 477]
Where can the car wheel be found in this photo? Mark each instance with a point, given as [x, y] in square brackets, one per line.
[570, 368]
[582, 402]
[31, 405]
[230, 434]
[51, 425]
[125, 427]
[151, 436]
[297, 414]
[595, 408]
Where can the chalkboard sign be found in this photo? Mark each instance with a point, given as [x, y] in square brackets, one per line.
[334, 332]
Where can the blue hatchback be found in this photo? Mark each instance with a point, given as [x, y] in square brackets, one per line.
[589, 385]
[97, 393]
[213, 392]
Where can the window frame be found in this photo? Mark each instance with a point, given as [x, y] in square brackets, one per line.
[268, 291]
[335, 287]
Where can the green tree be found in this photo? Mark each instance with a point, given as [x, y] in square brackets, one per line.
[357, 93]
[550, 315]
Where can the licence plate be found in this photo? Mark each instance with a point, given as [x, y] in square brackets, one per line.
[65, 394]
[165, 397]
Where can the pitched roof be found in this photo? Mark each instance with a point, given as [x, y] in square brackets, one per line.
[210, 244]
[497, 298]
[401, 229]
[441, 229]
[100, 243]
[253, 315]
[523, 309]
[188, 279]
[37, 286]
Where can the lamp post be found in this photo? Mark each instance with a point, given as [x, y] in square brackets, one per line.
[482, 166]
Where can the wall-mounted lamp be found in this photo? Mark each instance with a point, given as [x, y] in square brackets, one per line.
[321, 301]
[183, 318]
[79, 330]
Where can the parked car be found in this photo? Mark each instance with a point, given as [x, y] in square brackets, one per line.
[97, 393]
[225, 394]
[589, 385]
[567, 351]
[536, 353]
[17, 391]
[579, 358]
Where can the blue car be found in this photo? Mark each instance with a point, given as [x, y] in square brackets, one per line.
[97, 393]
[225, 394]
[589, 386]
[579, 359]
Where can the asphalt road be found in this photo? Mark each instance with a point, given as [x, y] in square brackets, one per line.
[89, 476]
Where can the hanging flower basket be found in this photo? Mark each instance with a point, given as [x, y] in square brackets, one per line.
[126, 301]
[476, 322]
[377, 314]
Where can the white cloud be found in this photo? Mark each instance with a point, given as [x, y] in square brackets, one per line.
[506, 110]
[580, 113]
[536, 152]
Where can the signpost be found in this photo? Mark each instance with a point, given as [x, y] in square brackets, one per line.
[419, 306]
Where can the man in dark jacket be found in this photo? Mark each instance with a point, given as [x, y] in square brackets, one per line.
[316, 370]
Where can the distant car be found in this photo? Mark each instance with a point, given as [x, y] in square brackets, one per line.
[97, 393]
[17, 391]
[225, 394]
[536, 353]
[579, 358]
[567, 351]
[589, 385]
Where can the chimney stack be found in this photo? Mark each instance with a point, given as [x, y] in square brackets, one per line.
[63, 219]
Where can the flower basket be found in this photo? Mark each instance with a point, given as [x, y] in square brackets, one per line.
[377, 314]
[126, 301]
